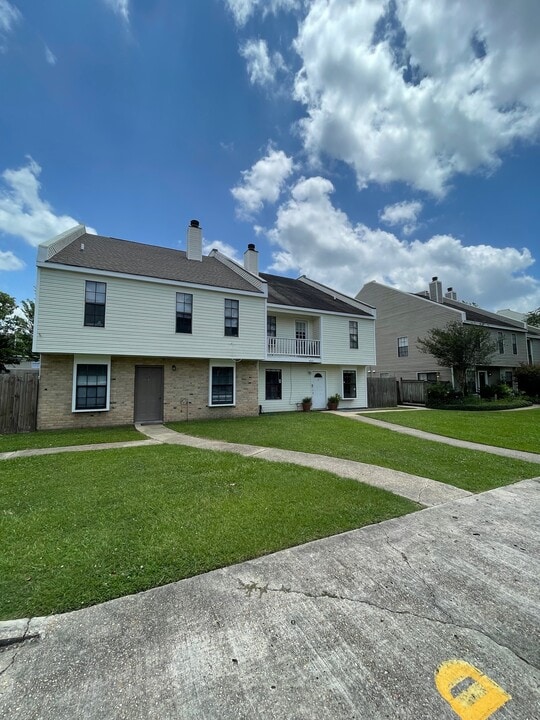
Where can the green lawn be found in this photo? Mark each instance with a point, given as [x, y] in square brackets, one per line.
[347, 438]
[64, 438]
[517, 430]
[78, 529]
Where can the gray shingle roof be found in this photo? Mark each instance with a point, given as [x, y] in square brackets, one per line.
[476, 314]
[295, 293]
[132, 258]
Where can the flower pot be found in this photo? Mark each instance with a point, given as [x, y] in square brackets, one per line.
[306, 407]
[332, 406]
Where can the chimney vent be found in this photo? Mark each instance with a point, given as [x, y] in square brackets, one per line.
[450, 294]
[435, 290]
[194, 241]
[251, 259]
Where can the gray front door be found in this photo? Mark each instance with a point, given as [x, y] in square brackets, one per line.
[148, 393]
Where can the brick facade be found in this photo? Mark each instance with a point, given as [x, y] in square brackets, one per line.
[185, 392]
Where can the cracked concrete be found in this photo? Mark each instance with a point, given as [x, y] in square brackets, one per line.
[352, 626]
[422, 490]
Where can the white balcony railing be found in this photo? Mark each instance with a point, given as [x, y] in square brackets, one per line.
[293, 348]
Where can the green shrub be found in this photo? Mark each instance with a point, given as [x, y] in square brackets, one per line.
[528, 377]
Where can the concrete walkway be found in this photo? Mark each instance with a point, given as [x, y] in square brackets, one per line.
[422, 490]
[356, 625]
[75, 448]
[493, 450]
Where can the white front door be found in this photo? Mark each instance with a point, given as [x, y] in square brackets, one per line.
[318, 386]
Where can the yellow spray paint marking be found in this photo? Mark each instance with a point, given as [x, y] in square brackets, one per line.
[480, 696]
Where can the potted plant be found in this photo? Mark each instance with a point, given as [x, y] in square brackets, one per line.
[333, 401]
[306, 404]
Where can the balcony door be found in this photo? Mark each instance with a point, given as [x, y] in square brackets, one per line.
[300, 328]
[318, 387]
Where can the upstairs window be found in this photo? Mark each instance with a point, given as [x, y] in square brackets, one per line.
[273, 385]
[500, 342]
[184, 312]
[271, 326]
[353, 334]
[94, 304]
[222, 386]
[91, 387]
[403, 346]
[232, 315]
[349, 384]
[514, 344]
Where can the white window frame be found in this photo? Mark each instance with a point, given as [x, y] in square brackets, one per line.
[349, 370]
[221, 365]
[403, 346]
[90, 360]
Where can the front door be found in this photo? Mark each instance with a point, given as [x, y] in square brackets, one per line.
[482, 379]
[148, 393]
[318, 385]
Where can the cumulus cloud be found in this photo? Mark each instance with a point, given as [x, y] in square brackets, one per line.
[9, 261]
[404, 214]
[262, 183]
[418, 90]
[23, 213]
[315, 238]
[261, 67]
[242, 10]
[223, 248]
[120, 7]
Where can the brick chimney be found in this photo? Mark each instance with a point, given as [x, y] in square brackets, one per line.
[194, 241]
[435, 290]
[251, 259]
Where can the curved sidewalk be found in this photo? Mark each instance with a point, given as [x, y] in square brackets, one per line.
[505, 452]
[422, 490]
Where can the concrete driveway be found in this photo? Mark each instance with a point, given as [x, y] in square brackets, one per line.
[430, 616]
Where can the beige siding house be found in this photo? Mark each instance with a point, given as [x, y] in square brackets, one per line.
[131, 332]
[404, 317]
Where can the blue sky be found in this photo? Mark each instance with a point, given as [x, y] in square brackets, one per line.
[350, 141]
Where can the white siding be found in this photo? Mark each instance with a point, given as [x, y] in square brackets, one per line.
[296, 384]
[140, 320]
[335, 340]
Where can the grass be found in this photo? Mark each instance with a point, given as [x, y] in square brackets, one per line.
[346, 438]
[81, 529]
[65, 438]
[515, 430]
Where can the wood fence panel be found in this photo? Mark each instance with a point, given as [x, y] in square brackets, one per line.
[382, 392]
[18, 402]
[413, 391]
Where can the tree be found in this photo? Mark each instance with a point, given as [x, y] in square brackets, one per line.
[533, 318]
[460, 347]
[16, 329]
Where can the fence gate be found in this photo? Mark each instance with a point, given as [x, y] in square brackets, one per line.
[382, 392]
[18, 402]
[413, 391]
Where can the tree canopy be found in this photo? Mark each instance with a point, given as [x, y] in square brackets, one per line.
[16, 330]
[533, 318]
[460, 347]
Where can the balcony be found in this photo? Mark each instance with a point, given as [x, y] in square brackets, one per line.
[291, 347]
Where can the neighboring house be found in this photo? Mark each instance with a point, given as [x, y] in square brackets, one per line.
[404, 317]
[533, 334]
[131, 332]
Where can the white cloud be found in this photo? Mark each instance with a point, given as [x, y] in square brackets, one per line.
[50, 57]
[404, 214]
[23, 213]
[243, 9]
[120, 7]
[221, 247]
[418, 90]
[263, 182]
[9, 261]
[9, 16]
[317, 239]
[261, 67]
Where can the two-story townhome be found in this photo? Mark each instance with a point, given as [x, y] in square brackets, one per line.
[133, 332]
[404, 317]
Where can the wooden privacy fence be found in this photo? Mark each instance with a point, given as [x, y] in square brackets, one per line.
[18, 402]
[382, 392]
[413, 391]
